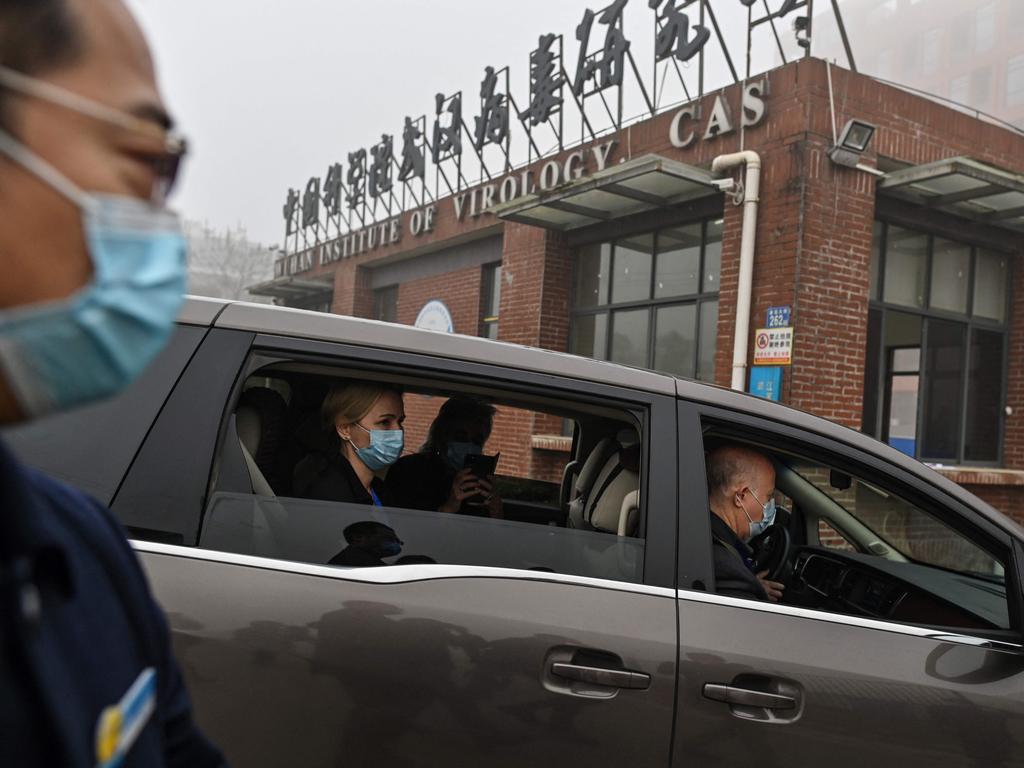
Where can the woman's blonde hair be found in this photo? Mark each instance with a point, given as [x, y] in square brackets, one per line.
[348, 403]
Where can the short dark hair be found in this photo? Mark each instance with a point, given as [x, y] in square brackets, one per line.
[454, 410]
[36, 36]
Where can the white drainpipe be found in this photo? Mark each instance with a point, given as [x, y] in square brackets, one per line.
[751, 190]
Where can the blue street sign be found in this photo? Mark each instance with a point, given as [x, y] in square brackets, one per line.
[766, 382]
[778, 317]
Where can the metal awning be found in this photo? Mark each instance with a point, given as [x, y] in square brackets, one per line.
[642, 184]
[963, 187]
[292, 288]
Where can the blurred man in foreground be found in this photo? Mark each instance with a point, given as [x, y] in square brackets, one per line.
[92, 267]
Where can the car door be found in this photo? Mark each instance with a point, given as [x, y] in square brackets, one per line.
[783, 685]
[294, 663]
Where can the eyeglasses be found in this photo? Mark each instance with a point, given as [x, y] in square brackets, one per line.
[169, 148]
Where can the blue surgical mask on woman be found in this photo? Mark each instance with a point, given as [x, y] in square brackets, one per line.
[767, 517]
[384, 449]
[457, 453]
[91, 345]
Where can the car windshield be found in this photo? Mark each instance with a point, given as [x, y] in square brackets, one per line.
[913, 533]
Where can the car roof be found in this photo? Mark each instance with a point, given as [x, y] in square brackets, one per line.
[299, 323]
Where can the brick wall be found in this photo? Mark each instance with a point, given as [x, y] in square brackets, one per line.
[813, 245]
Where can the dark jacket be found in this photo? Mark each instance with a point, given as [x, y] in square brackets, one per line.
[734, 567]
[78, 627]
[330, 477]
[420, 481]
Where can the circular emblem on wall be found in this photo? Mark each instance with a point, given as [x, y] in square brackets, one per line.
[435, 317]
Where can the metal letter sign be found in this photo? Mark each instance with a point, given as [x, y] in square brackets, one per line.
[380, 171]
[291, 206]
[545, 83]
[412, 153]
[609, 63]
[492, 125]
[311, 203]
[674, 32]
[356, 178]
[447, 139]
[332, 190]
[325, 211]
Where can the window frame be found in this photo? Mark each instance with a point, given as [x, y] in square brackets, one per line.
[652, 304]
[380, 295]
[489, 273]
[862, 464]
[968, 320]
[656, 426]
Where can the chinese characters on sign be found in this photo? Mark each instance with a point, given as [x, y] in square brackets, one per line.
[388, 175]
[773, 346]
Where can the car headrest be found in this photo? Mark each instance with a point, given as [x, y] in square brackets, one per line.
[595, 461]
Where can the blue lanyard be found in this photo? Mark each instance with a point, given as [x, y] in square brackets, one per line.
[376, 500]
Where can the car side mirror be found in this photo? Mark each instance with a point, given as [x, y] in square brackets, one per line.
[839, 480]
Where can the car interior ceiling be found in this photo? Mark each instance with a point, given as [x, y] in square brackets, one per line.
[599, 492]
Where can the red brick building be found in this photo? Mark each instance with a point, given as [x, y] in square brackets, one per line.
[903, 279]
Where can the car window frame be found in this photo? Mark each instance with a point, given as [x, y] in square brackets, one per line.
[660, 440]
[914, 489]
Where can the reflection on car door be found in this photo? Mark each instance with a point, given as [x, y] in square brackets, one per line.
[452, 667]
[774, 685]
[294, 664]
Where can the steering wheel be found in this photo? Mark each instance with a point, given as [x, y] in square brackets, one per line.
[771, 550]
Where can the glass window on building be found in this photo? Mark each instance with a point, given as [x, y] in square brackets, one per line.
[651, 300]
[490, 300]
[984, 28]
[1015, 80]
[936, 355]
[385, 304]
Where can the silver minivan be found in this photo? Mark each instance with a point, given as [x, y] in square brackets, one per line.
[581, 626]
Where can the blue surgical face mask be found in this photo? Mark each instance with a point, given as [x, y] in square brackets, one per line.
[457, 453]
[384, 449]
[91, 345]
[767, 517]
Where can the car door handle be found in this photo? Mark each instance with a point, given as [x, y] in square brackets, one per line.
[746, 697]
[613, 678]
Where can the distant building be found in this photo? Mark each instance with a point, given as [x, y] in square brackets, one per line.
[968, 51]
[223, 263]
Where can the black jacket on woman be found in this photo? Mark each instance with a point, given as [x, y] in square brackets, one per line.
[330, 477]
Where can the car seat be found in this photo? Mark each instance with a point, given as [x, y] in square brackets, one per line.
[260, 423]
[606, 495]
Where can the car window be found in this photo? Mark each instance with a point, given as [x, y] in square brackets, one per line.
[285, 487]
[92, 447]
[863, 546]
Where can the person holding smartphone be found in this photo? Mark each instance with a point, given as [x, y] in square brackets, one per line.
[451, 473]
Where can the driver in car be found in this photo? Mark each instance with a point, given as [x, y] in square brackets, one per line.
[741, 493]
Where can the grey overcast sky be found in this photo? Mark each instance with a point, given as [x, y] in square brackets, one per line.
[272, 91]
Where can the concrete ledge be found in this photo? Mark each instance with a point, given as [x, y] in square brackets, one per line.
[983, 475]
[551, 443]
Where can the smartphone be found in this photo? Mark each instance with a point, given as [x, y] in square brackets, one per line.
[481, 466]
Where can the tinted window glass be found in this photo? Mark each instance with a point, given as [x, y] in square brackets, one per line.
[984, 396]
[708, 339]
[905, 260]
[943, 384]
[676, 331]
[678, 269]
[990, 280]
[593, 268]
[92, 447]
[712, 255]
[590, 336]
[286, 487]
[631, 276]
[629, 337]
[951, 269]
